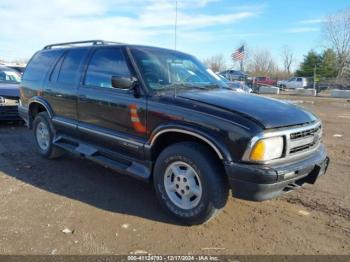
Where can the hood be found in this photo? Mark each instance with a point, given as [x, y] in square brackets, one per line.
[270, 113]
[11, 90]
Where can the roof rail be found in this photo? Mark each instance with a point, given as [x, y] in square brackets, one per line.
[92, 42]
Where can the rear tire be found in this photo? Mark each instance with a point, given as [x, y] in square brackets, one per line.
[190, 182]
[44, 134]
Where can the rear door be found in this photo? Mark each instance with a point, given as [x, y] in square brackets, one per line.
[111, 117]
[62, 87]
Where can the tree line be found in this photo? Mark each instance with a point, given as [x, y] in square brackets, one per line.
[332, 62]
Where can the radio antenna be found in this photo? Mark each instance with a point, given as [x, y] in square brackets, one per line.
[175, 27]
[175, 40]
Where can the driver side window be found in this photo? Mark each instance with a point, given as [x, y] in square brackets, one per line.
[105, 63]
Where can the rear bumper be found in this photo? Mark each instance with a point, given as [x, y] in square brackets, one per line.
[23, 112]
[258, 183]
[9, 113]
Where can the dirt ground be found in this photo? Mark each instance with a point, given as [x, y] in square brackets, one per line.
[107, 213]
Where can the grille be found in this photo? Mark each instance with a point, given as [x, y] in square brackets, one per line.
[302, 148]
[305, 133]
[305, 140]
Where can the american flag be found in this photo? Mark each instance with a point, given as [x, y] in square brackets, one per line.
[238, 55]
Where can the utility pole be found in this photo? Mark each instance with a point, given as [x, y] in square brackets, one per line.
[315, 77]
[175, 28]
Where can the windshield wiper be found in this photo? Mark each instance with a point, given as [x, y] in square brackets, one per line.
[194, 85]
[182, 85]
[212, 86]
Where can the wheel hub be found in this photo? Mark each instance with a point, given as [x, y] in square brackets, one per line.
[183, 185]
[43, 136]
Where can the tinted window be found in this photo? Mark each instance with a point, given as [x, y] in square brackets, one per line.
[56, 70]
[39, 64]
[105, 63]
[70, 72]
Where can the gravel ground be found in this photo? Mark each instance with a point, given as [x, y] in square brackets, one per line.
[102, 212]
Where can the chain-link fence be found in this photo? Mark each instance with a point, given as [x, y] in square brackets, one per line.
[334, 83]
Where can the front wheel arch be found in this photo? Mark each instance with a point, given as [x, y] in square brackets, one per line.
[162, 138]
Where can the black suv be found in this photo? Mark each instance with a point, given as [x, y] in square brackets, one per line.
[160, 115]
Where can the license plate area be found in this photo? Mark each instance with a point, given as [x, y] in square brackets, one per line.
[318, 171]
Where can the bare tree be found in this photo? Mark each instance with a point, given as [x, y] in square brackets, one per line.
[336, 30]
[288, 58]
[216, 63]
[261, 63]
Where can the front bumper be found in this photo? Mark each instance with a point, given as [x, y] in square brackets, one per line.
[263, 182]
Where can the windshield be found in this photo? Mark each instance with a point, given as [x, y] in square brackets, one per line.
[9, 77]
[223, 79]
[165, 69]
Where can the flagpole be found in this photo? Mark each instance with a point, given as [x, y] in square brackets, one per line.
[242, 60]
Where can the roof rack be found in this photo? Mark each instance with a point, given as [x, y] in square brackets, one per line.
[92, 42]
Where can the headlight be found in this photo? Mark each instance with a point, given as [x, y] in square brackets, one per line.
[267, 149]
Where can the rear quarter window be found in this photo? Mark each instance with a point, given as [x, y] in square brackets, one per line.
[40, 64]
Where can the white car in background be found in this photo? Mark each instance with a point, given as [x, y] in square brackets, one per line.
[293, 83]
[238, 86]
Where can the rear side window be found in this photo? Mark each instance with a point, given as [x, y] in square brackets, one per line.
[40, 64]
[56, 71]
[105, 63]
[70, 66]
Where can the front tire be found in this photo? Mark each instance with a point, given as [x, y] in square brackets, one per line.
[43, 135]
[190, 182]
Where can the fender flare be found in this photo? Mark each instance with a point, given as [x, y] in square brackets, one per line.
[213, 141]
[43, 102]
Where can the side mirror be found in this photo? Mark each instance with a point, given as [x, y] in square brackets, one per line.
[123, 82]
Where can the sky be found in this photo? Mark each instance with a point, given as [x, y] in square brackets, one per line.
[205, 27]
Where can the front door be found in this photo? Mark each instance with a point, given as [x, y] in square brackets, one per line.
[109, 116]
